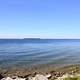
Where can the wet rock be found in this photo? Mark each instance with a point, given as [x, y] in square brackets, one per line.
[1, 76]
[25, 76]
[56, 74]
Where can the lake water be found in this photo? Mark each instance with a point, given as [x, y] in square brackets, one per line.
[37, 52]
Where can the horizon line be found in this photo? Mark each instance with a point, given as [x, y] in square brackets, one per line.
[39, 38]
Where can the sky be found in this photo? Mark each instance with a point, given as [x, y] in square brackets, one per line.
[40, 18]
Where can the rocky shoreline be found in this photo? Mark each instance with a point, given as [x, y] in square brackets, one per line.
[44, 74]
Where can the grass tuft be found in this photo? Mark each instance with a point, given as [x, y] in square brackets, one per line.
[75, 78]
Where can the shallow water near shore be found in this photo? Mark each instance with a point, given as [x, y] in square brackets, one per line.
[26, 54]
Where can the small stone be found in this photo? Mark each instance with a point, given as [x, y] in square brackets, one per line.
[16, 78]
[48, 76]
[8, 78]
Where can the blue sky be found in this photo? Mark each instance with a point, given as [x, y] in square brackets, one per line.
[40, 18]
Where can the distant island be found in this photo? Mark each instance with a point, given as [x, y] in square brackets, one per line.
[32, 38]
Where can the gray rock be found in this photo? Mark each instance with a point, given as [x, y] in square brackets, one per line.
[38, 77]
[8, 78]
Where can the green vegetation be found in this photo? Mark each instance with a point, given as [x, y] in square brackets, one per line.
[75, 78]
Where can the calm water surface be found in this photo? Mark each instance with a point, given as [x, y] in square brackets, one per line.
[30, 53]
